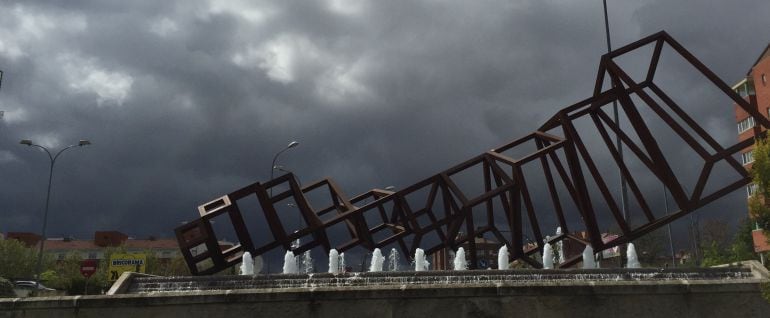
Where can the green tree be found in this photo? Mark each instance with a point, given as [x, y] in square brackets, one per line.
[760, 172]
[742, 247]
[17, 261]
[651, 248]
[6, 288]
[713, 254]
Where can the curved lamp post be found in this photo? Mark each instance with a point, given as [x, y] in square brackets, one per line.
[273, 167]
[284, 170]
[53, 158]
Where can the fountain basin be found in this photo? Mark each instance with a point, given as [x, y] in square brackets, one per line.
[139, 284]
[712, 292]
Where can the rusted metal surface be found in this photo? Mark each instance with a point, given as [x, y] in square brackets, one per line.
[438, 208]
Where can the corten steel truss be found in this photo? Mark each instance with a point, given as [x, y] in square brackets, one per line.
[446, 214]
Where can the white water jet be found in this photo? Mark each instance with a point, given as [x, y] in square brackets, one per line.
[420, 262]
[307, 263]
[588, 257]
[633, 260]
[341, 262]
[334, 261]
[560, 246]
[547, 257]
[297, 258]
[460, 263]
[289, 263]
[393, 260]
[247, 264]
[377, 261]
[502, 258]
[258, 264]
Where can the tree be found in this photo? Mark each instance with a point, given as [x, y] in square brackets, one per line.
[6, 288]
[17, 261]
[742, 247]
[715, 232]
[651, 247]
[760, 172]
[718, 249]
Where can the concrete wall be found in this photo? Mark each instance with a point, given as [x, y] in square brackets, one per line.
[735, 298]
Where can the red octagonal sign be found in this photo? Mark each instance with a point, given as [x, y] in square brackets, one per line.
[88, 267]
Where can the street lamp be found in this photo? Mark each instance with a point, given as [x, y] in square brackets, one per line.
[53, 158]
[273, 167]
[283, 169]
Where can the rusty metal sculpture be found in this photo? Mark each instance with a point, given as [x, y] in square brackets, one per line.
[437, 206]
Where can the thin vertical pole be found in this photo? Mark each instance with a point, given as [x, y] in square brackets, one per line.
[670, 240]
[619, 145]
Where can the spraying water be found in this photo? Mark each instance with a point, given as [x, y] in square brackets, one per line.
[258, 264]
[334, 261]
[297, 258]
[420, 262]
[307, 263]
[341, 262]
[289, 263]
[460, 263]
[588, 257]
[377, 261]
[502, 258]
[393, 260]
[560, 246]
[547, 257]
[633, 260]
[247, 264]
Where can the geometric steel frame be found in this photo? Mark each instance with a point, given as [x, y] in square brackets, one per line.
[406, 217]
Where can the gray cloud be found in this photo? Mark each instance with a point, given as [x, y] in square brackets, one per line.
[185, 101]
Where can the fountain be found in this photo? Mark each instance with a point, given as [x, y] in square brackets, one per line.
[502, 258]
[633, 260]
[460, 264]
[377, 261]
[393, 260]
[307, 263]
[560, 246]
[297, 258]
[334, 261]
[258, 264]
[588, 258]
[469, 293]
[420, 262]
[290, 263]
[727, 291]
[247, 264]
[547, 257]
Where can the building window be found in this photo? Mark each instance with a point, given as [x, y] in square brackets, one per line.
[92, 255]
[751, 189]
[60, 256]
[747, 157]
[745, 124]
[745, 88]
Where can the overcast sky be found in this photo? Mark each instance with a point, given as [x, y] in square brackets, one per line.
[187, 100]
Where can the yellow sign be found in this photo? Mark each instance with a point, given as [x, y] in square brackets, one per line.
[120, 263]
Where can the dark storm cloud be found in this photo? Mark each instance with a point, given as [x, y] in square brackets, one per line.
[187, 100]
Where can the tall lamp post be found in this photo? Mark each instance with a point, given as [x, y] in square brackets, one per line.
[284, 170]
[273, 167]
[53, 158]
